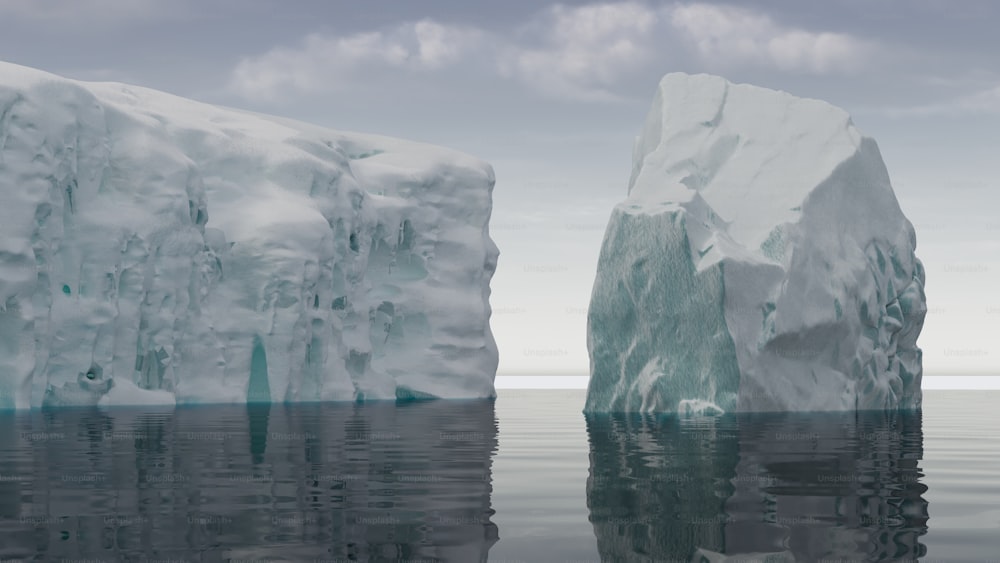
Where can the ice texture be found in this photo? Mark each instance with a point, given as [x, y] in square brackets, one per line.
[179, 252]
[760, 262]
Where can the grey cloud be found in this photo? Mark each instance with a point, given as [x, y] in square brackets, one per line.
[582, 52]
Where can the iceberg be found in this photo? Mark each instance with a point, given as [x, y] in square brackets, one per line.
[158, 250]
[760, 262]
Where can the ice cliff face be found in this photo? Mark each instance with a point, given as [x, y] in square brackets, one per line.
[760, 262]
[156, 249]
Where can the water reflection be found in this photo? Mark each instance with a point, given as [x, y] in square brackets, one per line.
[376, 482]
[774, 487]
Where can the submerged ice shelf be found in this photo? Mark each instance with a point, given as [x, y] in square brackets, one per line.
[760, 262]
[154, 249]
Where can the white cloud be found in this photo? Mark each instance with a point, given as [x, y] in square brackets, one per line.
[728, 35]
[570, 52]
[440, 45]
[324, 63]
[581, 52]
[584, 50]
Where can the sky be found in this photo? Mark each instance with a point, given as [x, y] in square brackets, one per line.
[552, 95]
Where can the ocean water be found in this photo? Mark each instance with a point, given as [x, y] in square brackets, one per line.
[527, 478]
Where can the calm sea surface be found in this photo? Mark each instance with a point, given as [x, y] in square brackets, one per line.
[527, 478]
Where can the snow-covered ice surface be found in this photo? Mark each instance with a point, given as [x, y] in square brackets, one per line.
[760, 262]
[157, 250]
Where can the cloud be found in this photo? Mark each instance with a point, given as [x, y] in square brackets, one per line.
[327, 63]
[729, 35]
[440, 45]
[585, 50]
[985, 101]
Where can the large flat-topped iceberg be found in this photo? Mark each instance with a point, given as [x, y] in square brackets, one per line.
[760, 262]
[154, 249]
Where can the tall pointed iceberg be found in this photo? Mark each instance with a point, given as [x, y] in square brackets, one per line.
[760, 262]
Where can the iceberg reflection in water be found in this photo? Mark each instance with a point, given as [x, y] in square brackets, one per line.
[373, 482]
[763, 487]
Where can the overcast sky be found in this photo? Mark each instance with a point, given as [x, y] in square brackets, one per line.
[552, 96]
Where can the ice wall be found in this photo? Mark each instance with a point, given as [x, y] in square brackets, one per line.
[154, 249]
